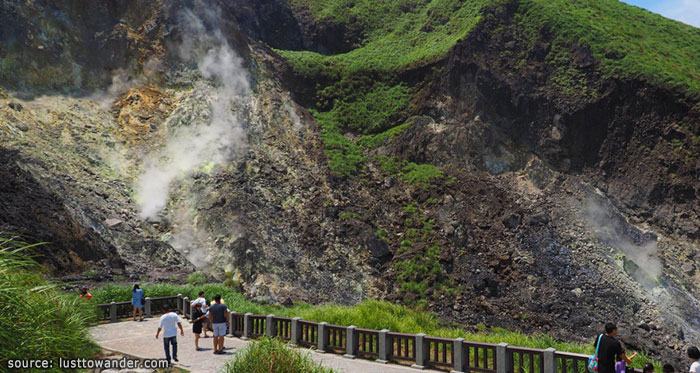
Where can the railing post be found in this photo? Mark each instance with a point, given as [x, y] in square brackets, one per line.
[296, 331]
[350, 342]
[421, 352]
[550, 363]
[148, 307]
[113, 312]
[179, 303]
[458, 356]
[383, 348]
[185, 307]
[270, 327]
[322, 337]
[247, 326]
[231, 324]
[503, 360]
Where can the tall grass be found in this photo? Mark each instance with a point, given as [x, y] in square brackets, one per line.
[37, 321]
[271, 355]
[370, 314]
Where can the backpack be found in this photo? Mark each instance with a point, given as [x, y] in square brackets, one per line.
[593, 360]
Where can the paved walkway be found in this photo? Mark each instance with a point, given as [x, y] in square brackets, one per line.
[138, 339]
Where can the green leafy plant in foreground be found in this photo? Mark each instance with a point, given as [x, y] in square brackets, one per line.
[272, 355]
[37, 321]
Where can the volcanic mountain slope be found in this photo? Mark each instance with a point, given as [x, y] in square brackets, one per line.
[525, 164]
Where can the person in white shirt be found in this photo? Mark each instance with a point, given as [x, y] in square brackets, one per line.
[168, 323]
[694, 355]
[201, 300]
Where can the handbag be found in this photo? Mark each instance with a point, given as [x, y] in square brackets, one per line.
[593, 360]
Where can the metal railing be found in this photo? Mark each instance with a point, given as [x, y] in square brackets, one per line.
[383, 346]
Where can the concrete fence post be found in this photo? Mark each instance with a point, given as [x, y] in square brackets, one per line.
[270, 326]
[504, 363]
[350, 342]
[458, 356]
[322, 337]
[247, 326]
[113, 312]
[148, 307]
[296, 331]
[186, 307]
[550, 363]
[383, 346]
[231, 324]
[179, 303]
[421, 351]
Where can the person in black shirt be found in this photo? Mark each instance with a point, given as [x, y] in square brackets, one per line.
[610, 350]
[198, 317]
[218, 316]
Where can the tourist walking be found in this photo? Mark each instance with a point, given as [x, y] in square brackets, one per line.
[694, 355]
[201, 300]
[610, 350]
[137, 301]
[169, 323]
[218, 316]
[198, 318]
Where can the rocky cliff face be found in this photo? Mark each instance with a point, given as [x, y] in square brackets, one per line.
[170, 137]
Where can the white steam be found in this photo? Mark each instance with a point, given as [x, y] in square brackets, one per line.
[296, 121]
[206, 133]
[612, 228]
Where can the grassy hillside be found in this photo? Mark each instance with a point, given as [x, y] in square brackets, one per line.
[359, 91]
[371, 314]
[628, 41]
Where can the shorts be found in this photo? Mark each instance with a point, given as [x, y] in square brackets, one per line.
[219, 329]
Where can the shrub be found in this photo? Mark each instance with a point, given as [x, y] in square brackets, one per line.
[271, 355]
[36, 320]
[196, 278]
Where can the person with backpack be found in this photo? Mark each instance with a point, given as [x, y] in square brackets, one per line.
[137, 301]
[609, 350]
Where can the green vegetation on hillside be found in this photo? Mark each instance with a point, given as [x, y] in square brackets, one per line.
[359, 91]
[370, 314]
[37, 321]
[396, 34]
[628, 41]
[272, 355]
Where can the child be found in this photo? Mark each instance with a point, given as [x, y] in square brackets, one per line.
[694, 355]
[668, 368]
[621, 366]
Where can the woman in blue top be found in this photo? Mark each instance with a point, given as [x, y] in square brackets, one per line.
[137, 301]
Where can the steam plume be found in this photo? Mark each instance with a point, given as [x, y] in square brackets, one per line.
[612, 228]
[197, 138]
